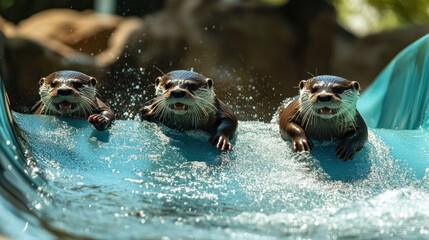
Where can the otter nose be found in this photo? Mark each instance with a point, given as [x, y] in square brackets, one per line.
[324, 98]
[178, 93]
[64, 92]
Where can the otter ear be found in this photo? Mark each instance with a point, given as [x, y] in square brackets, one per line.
[42, 81]
[93, 81]
[356, 85]
[157, 81]
[302, 84]
[209, 82]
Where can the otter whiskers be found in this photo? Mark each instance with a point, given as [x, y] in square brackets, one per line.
[72, 93]
[325, 110]
[185, 100]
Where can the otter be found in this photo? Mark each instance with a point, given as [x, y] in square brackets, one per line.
[185, 100]
[72, 93]
[325, 110]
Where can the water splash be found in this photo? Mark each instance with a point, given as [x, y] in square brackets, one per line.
[139, 178]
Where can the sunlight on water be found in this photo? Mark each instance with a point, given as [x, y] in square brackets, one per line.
[140, 180]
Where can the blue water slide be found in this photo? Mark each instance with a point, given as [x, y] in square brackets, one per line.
[62, 179]
[399, 97]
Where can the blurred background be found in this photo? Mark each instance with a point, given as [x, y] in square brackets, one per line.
[256, 51]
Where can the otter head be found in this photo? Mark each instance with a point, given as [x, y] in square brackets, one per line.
[328, 97]
[184, 92]
[67, 92]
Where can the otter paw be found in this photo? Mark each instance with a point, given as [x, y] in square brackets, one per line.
[221, 142]
[345, 151]
[100, 122]
[145, 113]
[301, 145]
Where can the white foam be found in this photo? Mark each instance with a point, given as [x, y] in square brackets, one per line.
[138, 179]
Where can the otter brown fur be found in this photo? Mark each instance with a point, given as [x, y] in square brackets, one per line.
[72, 93]
[186, 100]
[325, 110]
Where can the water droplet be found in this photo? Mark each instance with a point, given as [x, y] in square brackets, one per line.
[38, 206]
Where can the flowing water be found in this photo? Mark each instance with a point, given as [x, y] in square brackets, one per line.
[139, 180]
[143, 181]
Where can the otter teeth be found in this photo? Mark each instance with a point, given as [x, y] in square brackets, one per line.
[326, 111]
[65, 105]
[179, 106]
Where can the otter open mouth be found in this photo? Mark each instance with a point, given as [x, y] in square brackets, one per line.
[179, 106]
[65, 106]
[326, 111]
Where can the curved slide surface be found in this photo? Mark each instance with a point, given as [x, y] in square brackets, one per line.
[139, 180]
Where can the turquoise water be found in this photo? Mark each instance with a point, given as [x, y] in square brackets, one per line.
[399, 98]
[142, 181]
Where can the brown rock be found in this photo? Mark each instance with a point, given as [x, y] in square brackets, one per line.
[61, 39]
[256, 53]
[365, 58]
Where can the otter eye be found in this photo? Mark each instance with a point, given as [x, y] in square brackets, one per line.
[338, 89]
[168, 85]
[314, 89]
[77, 84]
[192, 87]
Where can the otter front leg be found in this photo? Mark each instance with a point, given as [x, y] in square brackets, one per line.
[146, 113]
[353, 140]
[101, 121]
[224, 132]
[297, 136]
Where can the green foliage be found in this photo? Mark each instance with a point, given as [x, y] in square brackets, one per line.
[365, 16]
[406, 11]
[5, 4]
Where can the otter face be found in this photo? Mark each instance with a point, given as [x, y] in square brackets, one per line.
[329, 96]
[67, 92]
[183, 94]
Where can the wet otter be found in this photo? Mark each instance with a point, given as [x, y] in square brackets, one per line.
[325, 110]
[186, 100]
[72, 93]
